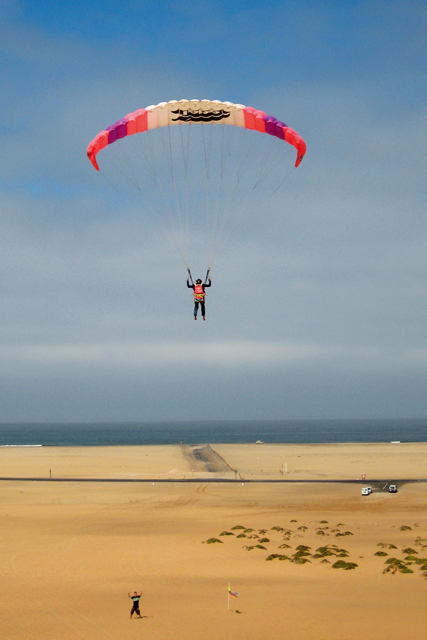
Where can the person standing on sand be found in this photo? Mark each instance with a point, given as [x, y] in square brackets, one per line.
[135, 606]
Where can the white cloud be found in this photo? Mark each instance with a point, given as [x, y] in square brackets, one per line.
[258, 356]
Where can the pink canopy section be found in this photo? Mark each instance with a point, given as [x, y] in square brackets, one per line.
[200, 111]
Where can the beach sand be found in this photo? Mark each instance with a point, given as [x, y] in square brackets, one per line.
[251, 461]
[70, 552]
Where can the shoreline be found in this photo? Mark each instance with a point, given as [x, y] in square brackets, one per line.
[219, 443]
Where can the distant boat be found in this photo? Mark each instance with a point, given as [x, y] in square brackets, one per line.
[259, 442]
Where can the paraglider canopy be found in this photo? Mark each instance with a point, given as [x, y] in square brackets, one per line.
[196, 164]
[202, 111]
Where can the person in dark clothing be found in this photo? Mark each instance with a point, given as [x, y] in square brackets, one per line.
[135, 606]
[199, 296]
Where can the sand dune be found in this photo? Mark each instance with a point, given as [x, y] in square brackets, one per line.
[70, 553]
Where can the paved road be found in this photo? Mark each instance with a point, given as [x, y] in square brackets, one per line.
[378, 485]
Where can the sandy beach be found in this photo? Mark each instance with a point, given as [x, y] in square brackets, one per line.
[70, 551]
[246, 461]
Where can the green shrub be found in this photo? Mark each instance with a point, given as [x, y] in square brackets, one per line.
[341, 564]
[255, 546]
[384, 545]
[330, 550]
[395, 564]
[302, 551]
[277, 556]
[213, 540]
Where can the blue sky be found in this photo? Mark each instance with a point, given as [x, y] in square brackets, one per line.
[316, 311]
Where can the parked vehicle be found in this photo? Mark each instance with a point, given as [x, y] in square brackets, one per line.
[366, 491]
[392, 488]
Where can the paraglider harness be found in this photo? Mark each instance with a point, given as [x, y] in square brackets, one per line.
[199, 294]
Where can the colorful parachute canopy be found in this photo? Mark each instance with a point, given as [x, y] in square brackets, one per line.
[198, 111]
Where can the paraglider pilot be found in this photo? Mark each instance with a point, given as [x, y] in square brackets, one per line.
[135, 607]
[199, 296]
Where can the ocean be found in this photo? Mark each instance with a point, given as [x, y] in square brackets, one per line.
[203, 432]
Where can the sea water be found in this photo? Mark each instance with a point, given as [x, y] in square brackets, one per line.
[192, 432]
